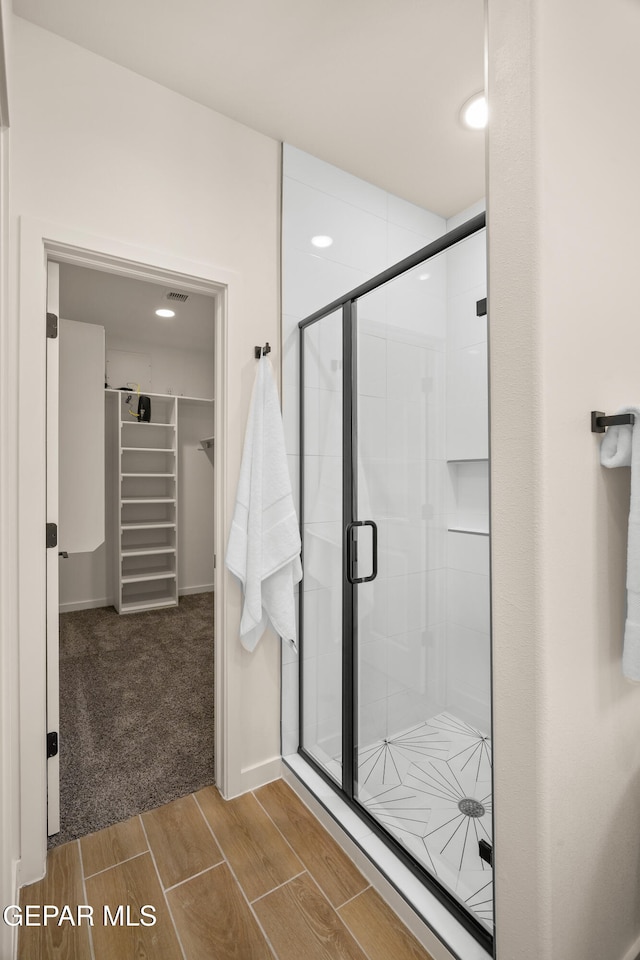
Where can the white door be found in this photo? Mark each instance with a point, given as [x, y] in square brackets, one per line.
[53, 696]
[75, 481]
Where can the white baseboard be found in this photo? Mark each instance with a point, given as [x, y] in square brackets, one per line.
[634, 952]
[256, 776]
[72, 605]
[9, 935]
[85, 604]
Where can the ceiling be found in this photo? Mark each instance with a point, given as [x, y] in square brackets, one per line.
[126, 307]
[372, 86]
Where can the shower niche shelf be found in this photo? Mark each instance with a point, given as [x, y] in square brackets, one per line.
[468, 509]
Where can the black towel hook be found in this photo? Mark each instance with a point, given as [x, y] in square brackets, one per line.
[262, 351]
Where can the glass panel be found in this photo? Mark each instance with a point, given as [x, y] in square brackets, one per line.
[423, 717]
[321, 642]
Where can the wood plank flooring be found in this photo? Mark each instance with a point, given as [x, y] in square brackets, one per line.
[254, 878]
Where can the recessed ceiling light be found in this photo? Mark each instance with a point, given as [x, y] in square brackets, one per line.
[165, 313]
[322, 241]
[474, 112]
[424, 276]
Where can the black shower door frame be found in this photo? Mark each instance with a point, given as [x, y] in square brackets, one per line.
[348, 305]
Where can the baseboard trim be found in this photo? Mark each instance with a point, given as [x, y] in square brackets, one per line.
[85, 604]
[256, 776]
[203, 588]
[634, 952]
[72, 605]
[9, 935]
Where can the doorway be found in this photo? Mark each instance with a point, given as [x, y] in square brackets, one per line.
[40, 240]
[136, 667]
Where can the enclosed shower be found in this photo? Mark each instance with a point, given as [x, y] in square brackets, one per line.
[391, 699]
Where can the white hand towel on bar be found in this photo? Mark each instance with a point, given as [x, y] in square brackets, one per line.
[620, 447]
[264, 543]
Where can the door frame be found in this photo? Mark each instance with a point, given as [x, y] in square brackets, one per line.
[39, 241]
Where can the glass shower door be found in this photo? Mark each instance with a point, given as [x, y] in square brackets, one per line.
[395, 662]
[321, 496]
[421, 772]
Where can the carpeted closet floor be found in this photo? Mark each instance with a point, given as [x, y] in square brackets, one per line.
[136, 711]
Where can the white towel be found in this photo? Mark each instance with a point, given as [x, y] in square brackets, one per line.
[264, 543]
[621, 448]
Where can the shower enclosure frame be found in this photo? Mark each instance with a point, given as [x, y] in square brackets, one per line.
[347, 304]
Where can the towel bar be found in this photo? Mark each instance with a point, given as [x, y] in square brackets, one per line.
[599, 422]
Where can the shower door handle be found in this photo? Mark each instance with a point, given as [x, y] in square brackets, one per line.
[351, 553]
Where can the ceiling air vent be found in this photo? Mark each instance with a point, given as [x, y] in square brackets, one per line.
[181, 297]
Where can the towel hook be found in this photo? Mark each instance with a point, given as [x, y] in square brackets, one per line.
[599, 421]
[261, 351]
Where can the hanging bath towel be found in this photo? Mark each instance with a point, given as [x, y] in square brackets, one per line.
[621, 448]
[264, 543]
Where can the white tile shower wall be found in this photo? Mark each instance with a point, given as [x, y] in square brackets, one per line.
[402, 447]
[467, 397]
[468, 628]
[468, 587]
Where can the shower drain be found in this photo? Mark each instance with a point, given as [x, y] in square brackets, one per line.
[471, 808]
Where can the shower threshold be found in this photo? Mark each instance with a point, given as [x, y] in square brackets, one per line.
[429, 919]
[429, 786]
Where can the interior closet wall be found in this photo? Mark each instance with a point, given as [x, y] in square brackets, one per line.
[181, 372]
[86, 580]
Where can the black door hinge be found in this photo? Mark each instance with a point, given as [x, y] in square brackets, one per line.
[52, 744]
[52, 326]
[486, 852]
[52, 535]
[481, 307]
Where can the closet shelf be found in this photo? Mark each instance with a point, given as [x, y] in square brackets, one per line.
[147, 602]
[171, 476]
[148, 449]
[143, 577]
[155, 525]
[160, 396]
[148, 551]
[145, 424]
[125, 500]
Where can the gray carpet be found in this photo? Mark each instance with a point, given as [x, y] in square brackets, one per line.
[136, 711]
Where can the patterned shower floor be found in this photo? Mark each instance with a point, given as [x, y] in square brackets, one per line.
[431, 788]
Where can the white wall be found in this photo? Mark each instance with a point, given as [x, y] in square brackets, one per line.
[563, 203]
[182, 372]
[85, 154]
[9, 769]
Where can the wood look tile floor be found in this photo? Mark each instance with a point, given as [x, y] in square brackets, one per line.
[254, 878]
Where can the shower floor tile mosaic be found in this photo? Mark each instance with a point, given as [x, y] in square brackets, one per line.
[431, 788]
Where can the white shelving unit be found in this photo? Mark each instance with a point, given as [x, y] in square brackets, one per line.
[146, 514]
